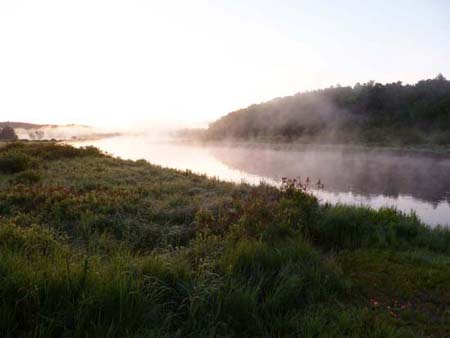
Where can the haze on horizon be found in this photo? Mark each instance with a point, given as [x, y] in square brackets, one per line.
[134, 63]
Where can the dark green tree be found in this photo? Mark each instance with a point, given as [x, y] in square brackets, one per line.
[373, 113]
[8, 133]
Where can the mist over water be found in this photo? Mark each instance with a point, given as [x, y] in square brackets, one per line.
[63, 132]
[361, 172]
[376, 178]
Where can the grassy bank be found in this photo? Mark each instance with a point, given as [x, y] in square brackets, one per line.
[93, 246]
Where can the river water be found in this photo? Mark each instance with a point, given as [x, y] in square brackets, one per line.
[419, 183]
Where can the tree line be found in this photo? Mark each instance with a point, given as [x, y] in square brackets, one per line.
[373, 113]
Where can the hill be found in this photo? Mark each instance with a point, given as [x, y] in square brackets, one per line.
[370, 113]
[22, 125]
[95, 246]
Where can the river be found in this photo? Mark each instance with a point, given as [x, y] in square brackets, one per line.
[408, 182]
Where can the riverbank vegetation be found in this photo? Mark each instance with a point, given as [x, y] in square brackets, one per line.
[94, 246]
[370, 114]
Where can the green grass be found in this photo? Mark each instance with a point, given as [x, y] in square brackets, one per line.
[93, 246]
[411, 287]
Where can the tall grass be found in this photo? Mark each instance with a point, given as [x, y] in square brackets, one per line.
[100, 247]
[348, 227]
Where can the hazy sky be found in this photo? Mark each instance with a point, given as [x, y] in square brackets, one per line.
[128, 63]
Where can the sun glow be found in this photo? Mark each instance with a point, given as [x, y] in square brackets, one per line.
[134, 63]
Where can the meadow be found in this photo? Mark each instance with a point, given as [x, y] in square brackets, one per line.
[96, 246]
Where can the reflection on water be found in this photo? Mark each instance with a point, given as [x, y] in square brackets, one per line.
[365, 173]
[419, 183]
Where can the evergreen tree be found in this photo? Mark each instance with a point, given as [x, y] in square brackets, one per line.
[8, 133]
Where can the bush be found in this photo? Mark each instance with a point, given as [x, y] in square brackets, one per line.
[52, 151]
[28, 177]
[14, 161]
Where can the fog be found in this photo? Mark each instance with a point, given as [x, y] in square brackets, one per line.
[66, 132]
[309, 117]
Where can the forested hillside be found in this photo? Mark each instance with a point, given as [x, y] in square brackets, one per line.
[369, 113]
[22, 125]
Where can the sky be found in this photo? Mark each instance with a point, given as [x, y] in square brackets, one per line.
[135, 63]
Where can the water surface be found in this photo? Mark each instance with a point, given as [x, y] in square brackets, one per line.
[419, 183]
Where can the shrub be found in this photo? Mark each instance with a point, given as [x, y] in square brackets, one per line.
[28, 177]
[12, 161]
[52, 151]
